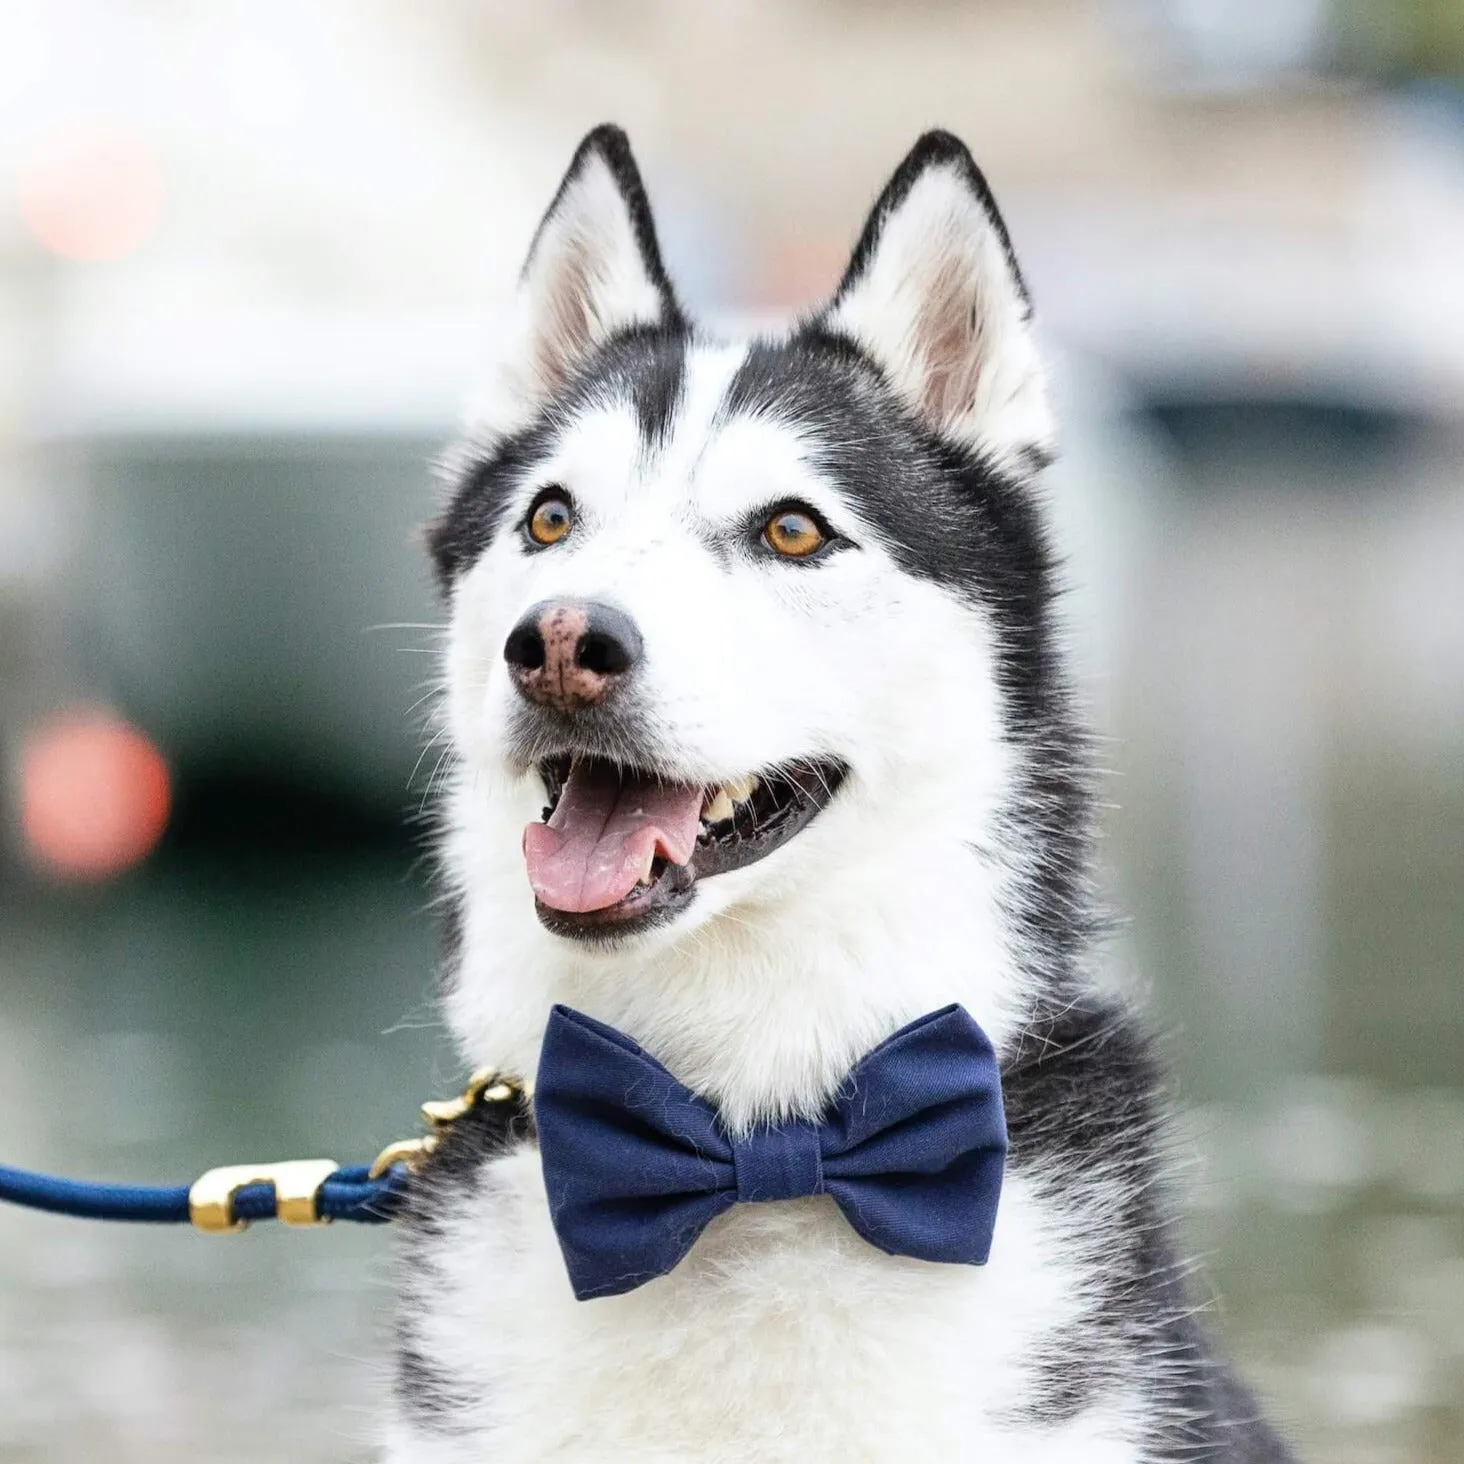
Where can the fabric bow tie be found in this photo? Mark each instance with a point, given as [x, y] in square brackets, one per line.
[636, 1165]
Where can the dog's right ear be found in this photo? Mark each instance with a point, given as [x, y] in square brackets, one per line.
[594, 270]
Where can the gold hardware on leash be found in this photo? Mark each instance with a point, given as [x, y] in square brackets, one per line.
[410, 1152]
[487, 1085]
[296, 1184]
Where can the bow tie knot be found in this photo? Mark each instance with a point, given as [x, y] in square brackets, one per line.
[636, 1165]
[782, 1163]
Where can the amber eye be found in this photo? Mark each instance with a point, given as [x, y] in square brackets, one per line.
[550, 521]
[793, 533]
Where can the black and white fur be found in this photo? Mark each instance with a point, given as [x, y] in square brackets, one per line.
[952, 865]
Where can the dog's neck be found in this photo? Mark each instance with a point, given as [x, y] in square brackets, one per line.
[762, 1009]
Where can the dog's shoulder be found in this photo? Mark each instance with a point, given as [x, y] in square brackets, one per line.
[1088, 1113]
[1080, 1078]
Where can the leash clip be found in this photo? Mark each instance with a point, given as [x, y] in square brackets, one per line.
[296, 1184]
[487, 1085]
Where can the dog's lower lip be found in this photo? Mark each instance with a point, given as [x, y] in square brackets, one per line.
[787, 798]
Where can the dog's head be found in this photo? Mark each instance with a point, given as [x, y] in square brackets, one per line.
[741, 632]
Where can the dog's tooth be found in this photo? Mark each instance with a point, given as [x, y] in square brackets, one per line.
[739, 790]
[719, 808]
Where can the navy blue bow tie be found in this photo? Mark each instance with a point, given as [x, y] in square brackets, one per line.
[636, 1165]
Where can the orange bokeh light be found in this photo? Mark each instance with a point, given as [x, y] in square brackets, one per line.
[91, 191]
[94, 795]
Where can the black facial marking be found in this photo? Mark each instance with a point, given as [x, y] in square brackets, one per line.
[652, 370]
[943, 513]
[645, 367]
[484, 482]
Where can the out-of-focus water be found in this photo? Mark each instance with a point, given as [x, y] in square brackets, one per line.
[208, 1012]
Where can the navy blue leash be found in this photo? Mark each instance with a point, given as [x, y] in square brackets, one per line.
[296, 1191]
[347, 1194]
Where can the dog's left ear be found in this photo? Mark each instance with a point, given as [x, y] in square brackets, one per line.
[594, 271]
[934, 295]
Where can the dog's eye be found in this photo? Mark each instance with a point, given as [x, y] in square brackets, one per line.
[794, 533]
[551, 519]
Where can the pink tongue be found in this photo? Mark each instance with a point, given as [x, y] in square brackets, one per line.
[604, 834]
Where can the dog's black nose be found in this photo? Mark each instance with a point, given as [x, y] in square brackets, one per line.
[566, 654]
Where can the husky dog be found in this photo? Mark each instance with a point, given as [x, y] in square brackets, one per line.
[762, 746]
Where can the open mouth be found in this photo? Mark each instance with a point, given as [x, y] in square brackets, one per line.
[620, 849]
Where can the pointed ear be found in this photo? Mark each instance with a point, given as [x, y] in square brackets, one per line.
[594, 270]
[934, 295]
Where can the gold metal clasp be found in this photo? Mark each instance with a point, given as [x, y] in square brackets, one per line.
[487, 1085]
[296, 1184]
[410, 1152]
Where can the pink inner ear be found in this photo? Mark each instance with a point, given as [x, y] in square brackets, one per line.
[565, 337]
[948, 340]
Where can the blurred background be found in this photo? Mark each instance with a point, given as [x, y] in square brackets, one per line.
[249, 254]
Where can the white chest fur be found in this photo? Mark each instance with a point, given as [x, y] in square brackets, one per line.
[783, 1336]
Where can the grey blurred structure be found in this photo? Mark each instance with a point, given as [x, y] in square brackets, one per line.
[1244, 228]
